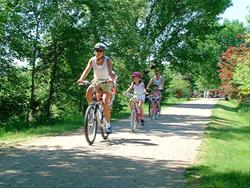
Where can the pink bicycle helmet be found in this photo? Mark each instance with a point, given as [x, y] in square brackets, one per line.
[136, 74]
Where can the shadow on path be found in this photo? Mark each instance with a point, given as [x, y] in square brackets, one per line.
[78, 168]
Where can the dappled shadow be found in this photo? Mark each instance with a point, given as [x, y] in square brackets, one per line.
[222, 122]
[204, 176]
[224, 129]
[126, 141]
[187, 126]
[193, 106]
[78, 167]
[226, 108]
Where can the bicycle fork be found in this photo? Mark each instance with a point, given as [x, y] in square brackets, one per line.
[99, 117]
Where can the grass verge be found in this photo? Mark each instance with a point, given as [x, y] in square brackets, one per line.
[13, 136]
[224, 160]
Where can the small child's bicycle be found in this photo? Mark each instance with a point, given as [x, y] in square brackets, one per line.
[153, 107]
[135, 117]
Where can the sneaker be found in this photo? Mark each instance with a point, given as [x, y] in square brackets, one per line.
[108, 128]
[142, 122]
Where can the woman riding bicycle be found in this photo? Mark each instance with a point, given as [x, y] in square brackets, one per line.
[157, 79]
[139, 89]
[102, 66]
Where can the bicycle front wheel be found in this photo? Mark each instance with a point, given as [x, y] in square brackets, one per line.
[102, 129]
[151, 111]
[133, 121]
[157, 113]
[90, 125]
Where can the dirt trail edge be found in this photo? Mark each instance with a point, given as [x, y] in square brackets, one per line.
[155, 156]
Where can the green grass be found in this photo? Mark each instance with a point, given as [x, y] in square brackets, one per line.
[224, 160]
[58, 127]
[173, 100]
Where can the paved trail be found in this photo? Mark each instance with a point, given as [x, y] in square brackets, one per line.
[156, 156]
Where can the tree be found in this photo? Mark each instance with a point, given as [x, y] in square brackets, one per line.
[227, 66]
[242, 71]
[171, 25]
[178, 86]
[242, 75]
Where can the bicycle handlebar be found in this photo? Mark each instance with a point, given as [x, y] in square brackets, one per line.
[133, 95]
[151, 97]
[86, 82]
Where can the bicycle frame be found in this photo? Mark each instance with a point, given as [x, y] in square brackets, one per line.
[153, 109]
[136, 109]
[135, 112]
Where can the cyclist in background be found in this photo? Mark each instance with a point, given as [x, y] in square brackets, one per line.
[102, 67]
[157, 79]
[156, 94]
[139, 89]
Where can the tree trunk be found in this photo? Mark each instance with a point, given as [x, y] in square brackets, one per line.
[52, 82]
[32, 106]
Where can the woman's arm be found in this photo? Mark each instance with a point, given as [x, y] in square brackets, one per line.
[162, 82]
[110, 69]
[150, 82]
[86, 71]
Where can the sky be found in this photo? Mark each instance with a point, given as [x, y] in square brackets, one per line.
[239, 11]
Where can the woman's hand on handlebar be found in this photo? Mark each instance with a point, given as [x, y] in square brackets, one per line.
[82, 82]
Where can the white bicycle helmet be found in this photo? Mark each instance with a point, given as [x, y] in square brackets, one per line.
[100, 45]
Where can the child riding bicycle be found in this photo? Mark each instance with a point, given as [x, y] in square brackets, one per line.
[138, 88]
[156, 95]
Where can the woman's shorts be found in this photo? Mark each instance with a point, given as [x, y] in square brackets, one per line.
[103, 87]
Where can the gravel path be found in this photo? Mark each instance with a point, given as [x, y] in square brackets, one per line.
[155, 156]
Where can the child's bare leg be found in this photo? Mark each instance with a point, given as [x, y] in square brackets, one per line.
[131, 104]
[141, 109]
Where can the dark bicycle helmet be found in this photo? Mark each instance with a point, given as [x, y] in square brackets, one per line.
[100, 45]
[155, 85]
[136, 74]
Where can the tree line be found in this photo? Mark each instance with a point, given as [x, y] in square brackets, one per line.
[56, 38]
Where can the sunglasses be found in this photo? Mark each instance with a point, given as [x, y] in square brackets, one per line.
[98, 50]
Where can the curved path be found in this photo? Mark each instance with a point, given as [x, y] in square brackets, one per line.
[155, 156]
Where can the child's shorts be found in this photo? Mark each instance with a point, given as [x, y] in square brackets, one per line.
[142, 97]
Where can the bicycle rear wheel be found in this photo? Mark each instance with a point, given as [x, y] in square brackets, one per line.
[133, 122]
[90, 125]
